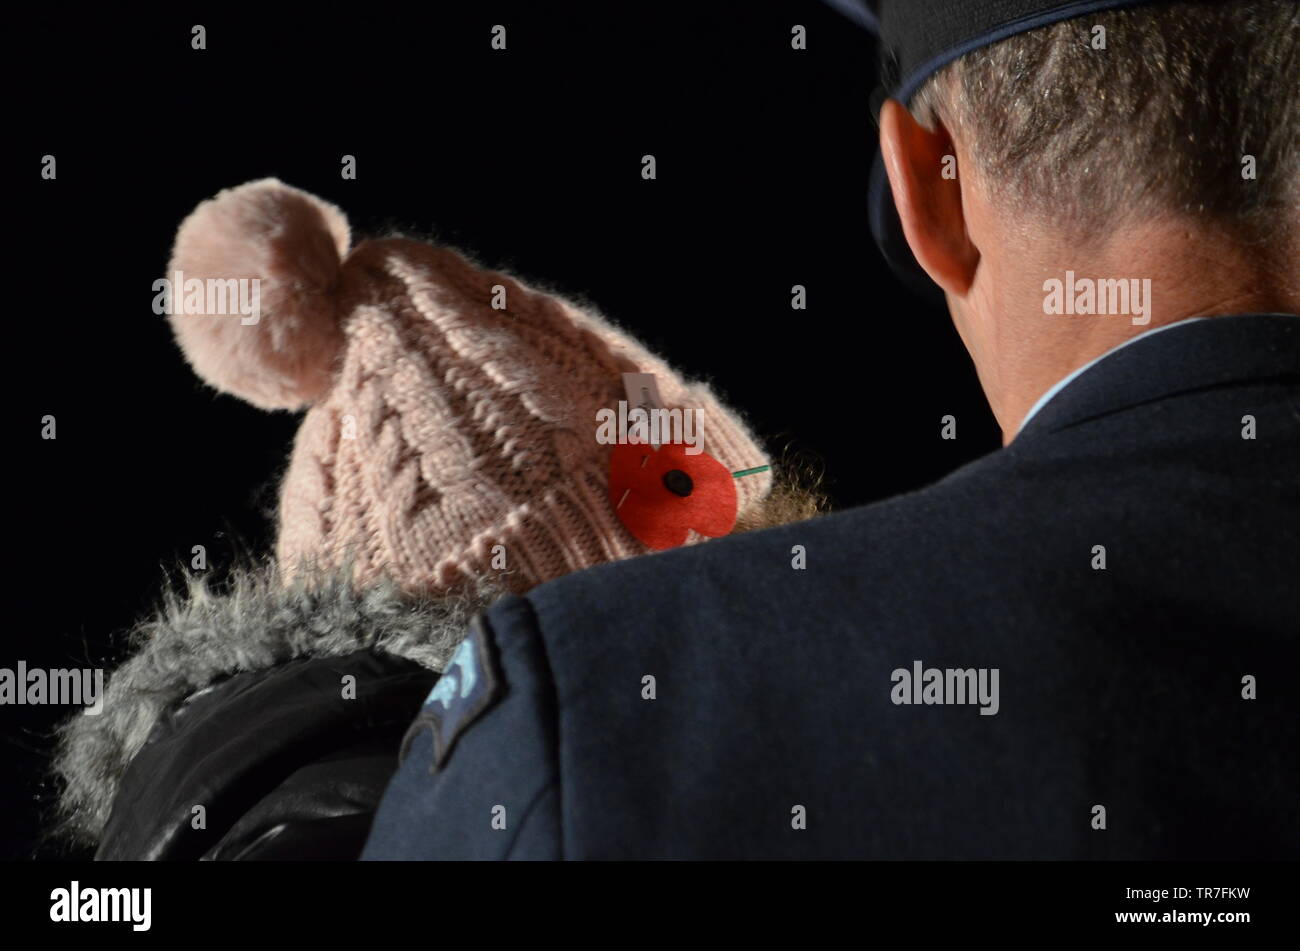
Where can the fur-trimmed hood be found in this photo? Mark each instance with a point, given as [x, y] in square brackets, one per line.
[201, 635]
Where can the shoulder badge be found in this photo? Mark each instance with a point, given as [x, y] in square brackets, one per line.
[469, 685]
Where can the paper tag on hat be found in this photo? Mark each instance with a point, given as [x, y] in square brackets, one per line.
[642, 391]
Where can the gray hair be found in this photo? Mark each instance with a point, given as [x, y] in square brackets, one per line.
[1159, 121]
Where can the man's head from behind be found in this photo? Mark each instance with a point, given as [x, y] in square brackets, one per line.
[1156, 145]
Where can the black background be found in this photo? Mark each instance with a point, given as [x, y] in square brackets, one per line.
[530, 158]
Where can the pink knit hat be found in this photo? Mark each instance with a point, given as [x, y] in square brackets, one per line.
[444, 437]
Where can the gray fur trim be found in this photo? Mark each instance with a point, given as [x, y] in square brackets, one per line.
[257, 622]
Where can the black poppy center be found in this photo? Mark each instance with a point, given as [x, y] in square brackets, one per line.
[678, 482]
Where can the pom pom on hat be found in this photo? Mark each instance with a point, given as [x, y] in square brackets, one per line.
[291, 243]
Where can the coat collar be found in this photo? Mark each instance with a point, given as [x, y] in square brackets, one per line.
[1204, 353]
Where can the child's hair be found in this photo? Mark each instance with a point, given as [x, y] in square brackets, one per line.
[796, 495]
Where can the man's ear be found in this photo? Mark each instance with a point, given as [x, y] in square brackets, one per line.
[929, 204]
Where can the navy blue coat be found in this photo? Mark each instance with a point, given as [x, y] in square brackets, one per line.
[1146, 709]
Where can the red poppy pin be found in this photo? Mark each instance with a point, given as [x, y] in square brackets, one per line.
[661, 495]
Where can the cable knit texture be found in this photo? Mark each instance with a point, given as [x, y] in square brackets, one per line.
[439, 427]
